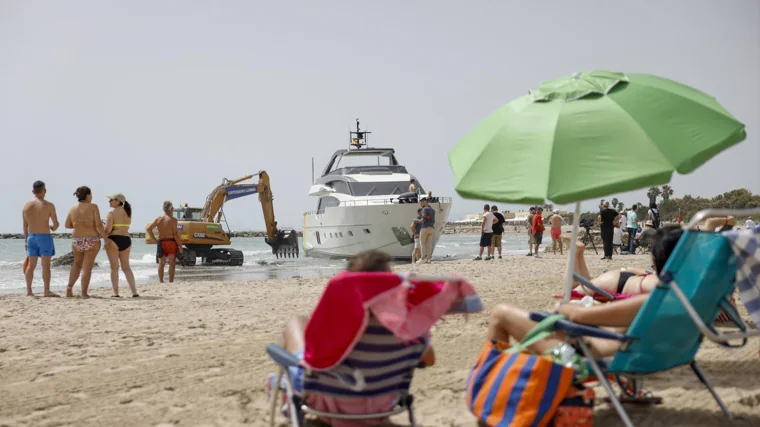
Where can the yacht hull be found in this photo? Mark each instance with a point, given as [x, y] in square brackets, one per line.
[343, 231]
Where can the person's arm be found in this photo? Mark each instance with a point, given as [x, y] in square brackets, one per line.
[99, 222]
[175, 232]
[26, 227]
[412, 227]
[109, 222]
[483, 225]
[149, 229]
[54, 217]
[617, 313]
[69, 223]
[599, 219]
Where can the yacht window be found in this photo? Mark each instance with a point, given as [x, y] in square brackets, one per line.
[341, 235]
[327, 202]
[377, 158]
[351, 234]
[366, 231]
[379, 188]
[331, 235]
[319, 242]
[340, 187]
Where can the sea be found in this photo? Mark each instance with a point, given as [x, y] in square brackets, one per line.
[259, 263]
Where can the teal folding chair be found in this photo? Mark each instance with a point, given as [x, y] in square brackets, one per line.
[696, 284]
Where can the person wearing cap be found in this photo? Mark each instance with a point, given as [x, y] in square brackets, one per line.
[556, 230]
[118, 243]
[529, 225]
[427, 231]
[498, 230]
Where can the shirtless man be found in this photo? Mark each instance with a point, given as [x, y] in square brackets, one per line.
[556, 224]
[37, 214]
[169, 243]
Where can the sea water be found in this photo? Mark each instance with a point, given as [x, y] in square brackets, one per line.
[259, 262]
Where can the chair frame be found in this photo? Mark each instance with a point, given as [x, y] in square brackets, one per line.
[298, 407]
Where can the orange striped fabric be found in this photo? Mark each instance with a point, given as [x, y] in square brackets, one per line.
[520, 389]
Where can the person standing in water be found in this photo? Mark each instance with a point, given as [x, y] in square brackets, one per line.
[169, 244]
[84, 219]
[119, 244]
[38, 242]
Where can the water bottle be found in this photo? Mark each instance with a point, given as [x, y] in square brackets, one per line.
[564, 354]
[587, 301]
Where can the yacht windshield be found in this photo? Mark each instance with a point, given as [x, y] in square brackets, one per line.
[379, 188]
[369, 158]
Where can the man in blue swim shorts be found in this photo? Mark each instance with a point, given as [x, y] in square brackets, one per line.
[37, 215]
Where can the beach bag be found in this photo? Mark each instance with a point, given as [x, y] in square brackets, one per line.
[513, 387]
[576, 409]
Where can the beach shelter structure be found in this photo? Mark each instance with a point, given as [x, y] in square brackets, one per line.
[588, 135]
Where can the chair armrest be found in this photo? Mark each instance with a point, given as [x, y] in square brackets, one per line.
[576, 330]
[282, 357]
[587, 284]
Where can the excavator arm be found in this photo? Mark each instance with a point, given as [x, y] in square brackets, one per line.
[282, 243]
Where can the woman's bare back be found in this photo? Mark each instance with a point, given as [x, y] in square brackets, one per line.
[118, 222]
[84, 219]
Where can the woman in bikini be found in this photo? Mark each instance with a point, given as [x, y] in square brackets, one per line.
[84, 219]
[632, 280]
[119, 244]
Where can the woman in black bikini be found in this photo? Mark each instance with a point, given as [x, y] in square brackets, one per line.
[119, 244]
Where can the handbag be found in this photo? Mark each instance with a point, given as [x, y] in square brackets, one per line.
[576, 409]
[515, 387]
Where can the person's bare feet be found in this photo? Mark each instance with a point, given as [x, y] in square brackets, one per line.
[69, 292]
[85, 296]
[29, 293]
[51, 294]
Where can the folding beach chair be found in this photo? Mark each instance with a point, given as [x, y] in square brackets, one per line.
[695, 286]
[364, 340]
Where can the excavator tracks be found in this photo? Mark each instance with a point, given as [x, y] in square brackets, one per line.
[224, 257]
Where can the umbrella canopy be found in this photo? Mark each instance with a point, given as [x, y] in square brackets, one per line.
[589, 135]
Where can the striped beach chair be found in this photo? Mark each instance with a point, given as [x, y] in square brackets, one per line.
[372, 383]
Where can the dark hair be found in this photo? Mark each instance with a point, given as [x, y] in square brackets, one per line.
[370, 260]
[653, 205]
[38, 187]
[127, 208]
[664, 242]
[486, 207]
[82, 193]
[494, 208]
[419, 210]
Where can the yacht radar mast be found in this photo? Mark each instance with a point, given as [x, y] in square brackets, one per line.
[359, 138]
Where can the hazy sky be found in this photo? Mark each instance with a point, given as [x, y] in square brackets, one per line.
[162, 99]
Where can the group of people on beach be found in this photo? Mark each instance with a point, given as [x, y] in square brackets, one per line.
[88, 229]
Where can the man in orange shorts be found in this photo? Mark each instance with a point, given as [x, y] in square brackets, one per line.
[169, 244]
[556, 223]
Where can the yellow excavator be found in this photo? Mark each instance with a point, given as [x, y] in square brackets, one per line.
[200, 229]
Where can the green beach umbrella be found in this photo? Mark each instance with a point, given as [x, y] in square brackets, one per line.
[589, 135]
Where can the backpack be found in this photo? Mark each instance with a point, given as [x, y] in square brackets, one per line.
[656, 218]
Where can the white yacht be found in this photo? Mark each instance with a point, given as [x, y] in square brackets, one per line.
[364, 203]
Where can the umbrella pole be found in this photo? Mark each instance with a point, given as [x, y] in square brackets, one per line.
[573, 249]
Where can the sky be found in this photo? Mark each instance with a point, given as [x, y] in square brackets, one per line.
[161, 100]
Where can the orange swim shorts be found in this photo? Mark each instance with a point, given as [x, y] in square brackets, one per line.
[556, 232]
[169, 247]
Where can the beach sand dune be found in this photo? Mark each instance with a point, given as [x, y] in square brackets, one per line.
[193, 353]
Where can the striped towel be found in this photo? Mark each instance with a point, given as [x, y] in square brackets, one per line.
[746, 246]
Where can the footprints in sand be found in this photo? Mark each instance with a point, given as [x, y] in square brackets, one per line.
[42, 376]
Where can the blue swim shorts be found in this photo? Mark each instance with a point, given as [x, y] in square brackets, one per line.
[296, 372]
[40, 245]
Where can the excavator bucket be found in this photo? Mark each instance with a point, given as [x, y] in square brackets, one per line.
[285, 244]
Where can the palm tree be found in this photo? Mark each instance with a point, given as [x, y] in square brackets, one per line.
[548, 207]
[653, 193]
[620, 206]
[614, 202]
[667, 191]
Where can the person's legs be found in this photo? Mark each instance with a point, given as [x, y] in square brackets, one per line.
[29, 275]
[127, 269]
[87, 263]
[46, 276]
[537, 239]
[632, 240]
[426, 235]
[293, 335]
[607, 242]
[113, 259]
[76, 269]
[161, 264]
[509, 321]
[172, 265]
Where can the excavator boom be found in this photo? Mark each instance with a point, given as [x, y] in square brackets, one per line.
[283, 243]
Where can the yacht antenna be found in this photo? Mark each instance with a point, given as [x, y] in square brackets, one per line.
[359, 138]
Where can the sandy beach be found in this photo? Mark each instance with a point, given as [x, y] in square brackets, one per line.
[192, 353]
